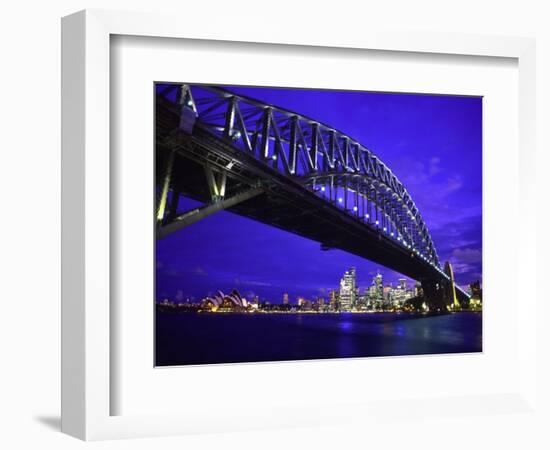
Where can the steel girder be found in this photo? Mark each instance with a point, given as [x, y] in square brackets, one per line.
[332, 164]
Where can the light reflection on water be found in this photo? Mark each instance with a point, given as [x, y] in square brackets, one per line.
[346, 326]
[399, 330]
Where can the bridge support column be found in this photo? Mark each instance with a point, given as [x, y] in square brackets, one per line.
[216, 184]
[197, 214]
[165, 187]
[434, 295]
[171, 213]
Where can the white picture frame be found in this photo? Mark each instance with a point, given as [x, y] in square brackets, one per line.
[87, 386]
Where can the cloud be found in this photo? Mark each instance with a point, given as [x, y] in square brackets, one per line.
[200, 271]
[454, 183]
[239, 281]
[467, 255]
[434, 167]
[466, 272]
[417, 175]
[461, 268]
[257, 283]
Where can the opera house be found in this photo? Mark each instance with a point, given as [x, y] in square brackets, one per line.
[222, 302]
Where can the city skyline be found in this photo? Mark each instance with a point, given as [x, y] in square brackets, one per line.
[353, 288]
[432, 143]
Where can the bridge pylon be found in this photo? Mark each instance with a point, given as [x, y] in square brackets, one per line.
[451, 296]
[434, 293]
[441, 295]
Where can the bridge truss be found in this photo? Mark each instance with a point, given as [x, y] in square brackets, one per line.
[331, 164]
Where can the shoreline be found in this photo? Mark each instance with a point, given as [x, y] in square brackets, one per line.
[164, 309]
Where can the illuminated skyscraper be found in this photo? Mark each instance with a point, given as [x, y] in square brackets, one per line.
[285, 299]
[348, 290]
[377, 290]
[400, 295]
[387, 294]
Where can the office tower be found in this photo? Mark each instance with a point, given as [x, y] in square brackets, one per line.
[377, 290]
[403, 283]
[348, 290]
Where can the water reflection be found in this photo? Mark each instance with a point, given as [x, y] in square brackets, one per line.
[346, 326]
[215, 338]
[400, 330]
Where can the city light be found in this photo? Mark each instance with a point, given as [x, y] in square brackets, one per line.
[355, 208]
[322, 189]
[348, 298]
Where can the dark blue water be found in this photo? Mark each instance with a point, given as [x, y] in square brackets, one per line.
[190, 338]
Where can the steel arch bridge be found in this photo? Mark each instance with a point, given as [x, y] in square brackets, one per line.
[249, 152]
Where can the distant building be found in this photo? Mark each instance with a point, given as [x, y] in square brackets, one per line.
[476, 298]
[372, 293]
[348, 290]
[285, 299]
[223, 302]
[387, 294]
[400, 294]
[418, 291]
[475, 289]
[333, 300]
[363, 300]
[376, 291]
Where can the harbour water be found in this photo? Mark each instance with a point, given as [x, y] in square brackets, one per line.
[193, 338]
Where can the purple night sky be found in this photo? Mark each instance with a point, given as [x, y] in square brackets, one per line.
[432, 143]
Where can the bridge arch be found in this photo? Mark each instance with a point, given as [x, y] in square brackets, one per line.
[287, 145]
[331, 163]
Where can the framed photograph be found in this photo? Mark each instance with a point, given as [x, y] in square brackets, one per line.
[242, 240]
[280, 237]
